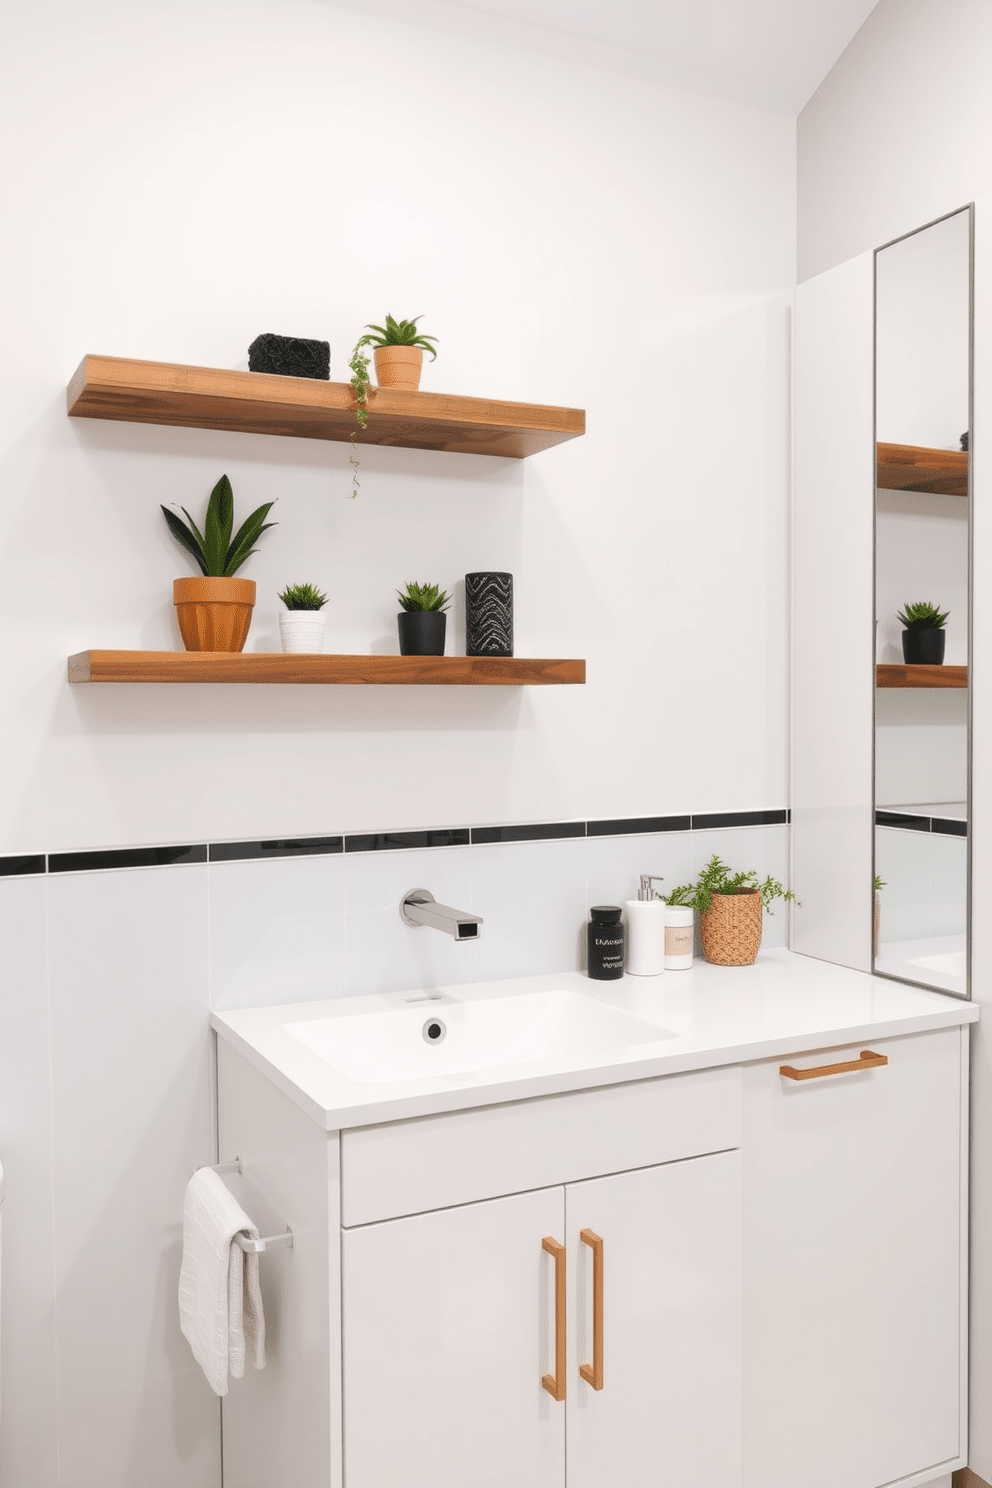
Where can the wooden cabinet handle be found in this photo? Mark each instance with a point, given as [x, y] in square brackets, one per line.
[868, 1060]
[555, 1383]
[593, 1373]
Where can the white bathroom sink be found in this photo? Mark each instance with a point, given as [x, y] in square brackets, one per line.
[450, 1037]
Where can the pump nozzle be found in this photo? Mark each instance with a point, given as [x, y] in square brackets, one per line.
[646, 891]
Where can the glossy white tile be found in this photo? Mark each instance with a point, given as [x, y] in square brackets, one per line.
[29, 1439]
[132, 1118]
[278, 931]
[614, 864]
[536, 902]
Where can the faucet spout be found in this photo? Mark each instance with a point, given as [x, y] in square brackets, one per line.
[418, 907]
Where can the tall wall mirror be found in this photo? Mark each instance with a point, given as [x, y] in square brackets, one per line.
[922, 784]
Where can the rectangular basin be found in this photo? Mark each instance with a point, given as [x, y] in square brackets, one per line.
[459, 1038]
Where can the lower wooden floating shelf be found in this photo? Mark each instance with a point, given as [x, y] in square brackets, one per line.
[274, 666]
[891, 675]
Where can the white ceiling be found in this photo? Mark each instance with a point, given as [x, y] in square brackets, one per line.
[770, 54]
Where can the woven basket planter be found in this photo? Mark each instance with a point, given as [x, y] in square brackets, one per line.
[731, 928]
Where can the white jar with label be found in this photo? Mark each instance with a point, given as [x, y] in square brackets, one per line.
[679, 932]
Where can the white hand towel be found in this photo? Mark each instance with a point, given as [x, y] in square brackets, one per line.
[220, 1304]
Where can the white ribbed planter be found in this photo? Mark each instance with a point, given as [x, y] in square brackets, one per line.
[302, 630]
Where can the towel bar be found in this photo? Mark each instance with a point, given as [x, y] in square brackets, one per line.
[249, 1245]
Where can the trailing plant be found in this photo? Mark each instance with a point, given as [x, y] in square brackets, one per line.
[398, 333]
[718, 878]
[922, 616]
[360, 384]
[217, 553]
[423, 597]
[303, 597]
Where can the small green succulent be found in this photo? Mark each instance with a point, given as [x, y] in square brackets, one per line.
[423, 597]
[217, 554]
[717, 878]
[303, 597]
[398, 333]
[879, 882]
[922, 616]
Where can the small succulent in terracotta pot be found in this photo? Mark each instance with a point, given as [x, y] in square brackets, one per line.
[214, 612]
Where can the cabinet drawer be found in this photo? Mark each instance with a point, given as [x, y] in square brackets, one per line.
[437, 1161]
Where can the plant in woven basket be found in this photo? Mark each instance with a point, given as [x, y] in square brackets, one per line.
[303, 597]
[718, 878]
[922, 616]
[730, 906]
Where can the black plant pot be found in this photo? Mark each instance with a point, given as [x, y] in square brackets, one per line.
[924, 647]
[421, 632]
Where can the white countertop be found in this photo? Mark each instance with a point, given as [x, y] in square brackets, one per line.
[711, 1015]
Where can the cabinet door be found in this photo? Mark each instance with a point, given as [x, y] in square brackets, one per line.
[669, 1411]
[853, 1188]
[449, 1326]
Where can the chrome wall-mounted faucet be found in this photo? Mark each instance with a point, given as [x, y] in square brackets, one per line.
[418, 907]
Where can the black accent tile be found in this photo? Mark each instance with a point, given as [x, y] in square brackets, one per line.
[283, 847]
[739, 819]
[903, 819]
[389, 841]
[129, 857]
[529, 832]
[949, 826]
[16, 866]
[628, 826]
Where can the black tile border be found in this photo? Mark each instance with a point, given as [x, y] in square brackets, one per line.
[261, 850]
[390, 841]
[716, 819]
[528, 832]
[638, 826]
[125, 857]
[905, 821]
[283, 847]
[21, 865]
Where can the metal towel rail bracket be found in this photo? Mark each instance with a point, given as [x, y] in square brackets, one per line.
[247, 1243]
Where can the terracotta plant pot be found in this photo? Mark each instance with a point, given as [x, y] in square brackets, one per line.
[398, 367]
[214, 614]
[730, 929]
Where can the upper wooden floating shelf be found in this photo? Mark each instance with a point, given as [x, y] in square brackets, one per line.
[274, 666]
[890, 675]
[911, 467]
[257, 403]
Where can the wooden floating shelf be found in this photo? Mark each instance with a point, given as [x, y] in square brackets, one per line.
[141, 392]
[275, 666]
[911, 467]
[920, 676]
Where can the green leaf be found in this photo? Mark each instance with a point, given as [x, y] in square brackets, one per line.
[247, 535]
[220, 514]
[186, 538]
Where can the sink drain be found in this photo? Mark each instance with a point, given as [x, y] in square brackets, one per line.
[434, 1031]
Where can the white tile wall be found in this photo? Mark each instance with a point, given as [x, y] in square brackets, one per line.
[106, 1101]
[925, 875]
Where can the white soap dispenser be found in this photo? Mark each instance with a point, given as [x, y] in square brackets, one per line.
[646, 929]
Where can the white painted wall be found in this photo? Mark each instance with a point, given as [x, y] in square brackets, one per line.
[179, 180]
[898, 134]
[571, 236]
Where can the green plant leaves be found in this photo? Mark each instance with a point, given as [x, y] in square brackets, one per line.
[399, 333]
[718, 878]
[922, 616]
[215, 554]
[303, 597]
[422, 597]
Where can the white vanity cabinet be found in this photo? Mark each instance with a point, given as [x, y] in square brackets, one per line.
[855, 1231]
[783, 1261]
[449, 1326]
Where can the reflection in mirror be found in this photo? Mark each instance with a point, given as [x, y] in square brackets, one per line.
[922, 604]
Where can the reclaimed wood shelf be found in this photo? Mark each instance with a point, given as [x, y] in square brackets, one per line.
[891, 675]
[275, 666]
[307, 408]
[911, 467]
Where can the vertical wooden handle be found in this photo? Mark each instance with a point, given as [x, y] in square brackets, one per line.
[555, 1383]
[593, 1373]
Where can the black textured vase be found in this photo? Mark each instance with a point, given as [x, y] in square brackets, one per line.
[924, 647]
[290, 356]
[421, 632]
[489, 614]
